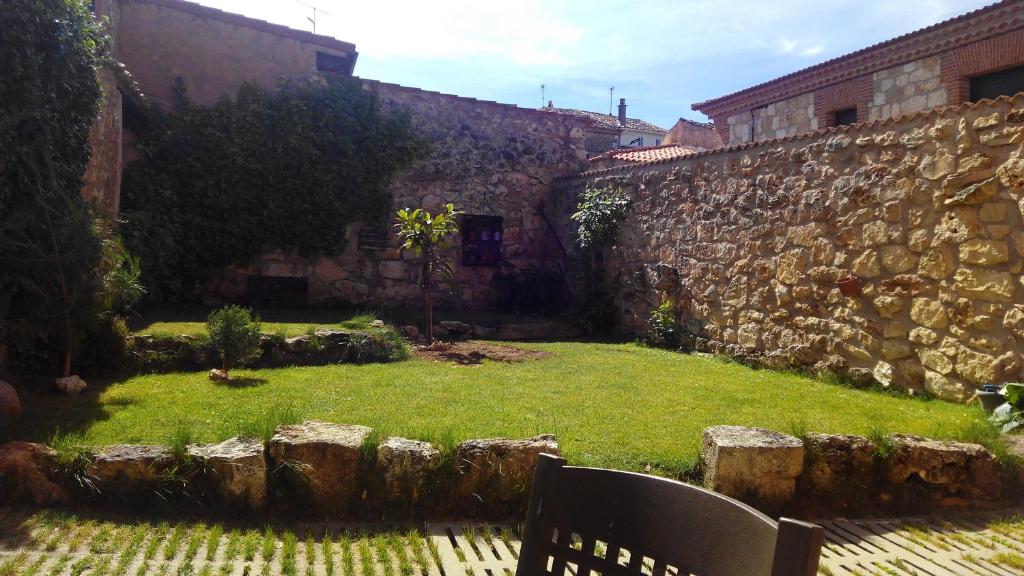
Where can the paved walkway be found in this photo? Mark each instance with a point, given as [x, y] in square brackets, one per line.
[54, 544]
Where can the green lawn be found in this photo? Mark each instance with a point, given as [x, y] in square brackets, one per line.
[614, 405]
[284, 322]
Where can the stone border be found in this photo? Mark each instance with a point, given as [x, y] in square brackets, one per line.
[312, 470]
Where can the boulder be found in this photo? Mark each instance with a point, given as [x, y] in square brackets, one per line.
[70, 384]
[128, 468]
[752, 464]
[236, 469]
[218, 375]
[949, 469]
[500, 468]
[838, 467]
[27, 475]
[323, 459]
[10, 405]
[404, 465]
[411, 332]
[456, 327]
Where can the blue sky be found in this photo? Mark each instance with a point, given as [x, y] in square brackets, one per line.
[661, 55]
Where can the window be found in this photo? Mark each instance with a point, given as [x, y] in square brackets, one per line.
[1003, 83]
[481, 240]
[657, 141]
[331, 63]
[845, 116]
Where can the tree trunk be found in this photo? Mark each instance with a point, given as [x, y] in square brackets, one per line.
[430, 313]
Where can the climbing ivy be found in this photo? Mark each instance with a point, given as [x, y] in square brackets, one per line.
[598, 215]
[287, 168]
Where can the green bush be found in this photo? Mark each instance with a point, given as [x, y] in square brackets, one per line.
[50, 246]
[598, 215]
[235, 335]
[288, 168]
[663, 330]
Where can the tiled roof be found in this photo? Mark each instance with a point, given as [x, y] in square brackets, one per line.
[969, 27]
[262, 25]
[648, 153]
[1016, 100]
[610, 122]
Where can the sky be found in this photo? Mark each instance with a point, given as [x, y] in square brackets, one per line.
[660, 55]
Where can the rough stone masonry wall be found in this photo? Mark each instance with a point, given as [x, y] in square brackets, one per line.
[787, 118]
[890, 250]
[907, 88]
[488, 159]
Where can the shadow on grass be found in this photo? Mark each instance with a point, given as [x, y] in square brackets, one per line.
[46, 411]
[241, 382]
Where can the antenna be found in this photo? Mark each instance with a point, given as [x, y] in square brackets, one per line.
[316, 9]
[611, 96]
[541, 95]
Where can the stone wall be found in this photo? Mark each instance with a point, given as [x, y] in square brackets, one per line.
[906, 89]
[212, 51]
[786, 118]
[488, 159]
[890, 250]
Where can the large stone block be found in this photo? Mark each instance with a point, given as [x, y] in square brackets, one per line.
[500, 468]
[321, 460]
[237, 470]
[27, 475]
[752, 464]
[10, 405]
[126, 469]
[949, 469]
[404, 466]
[839, 468]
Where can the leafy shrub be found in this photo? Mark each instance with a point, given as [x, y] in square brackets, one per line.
[234, 333]
[292, 167]
[49, 247]
[428, 236]
[663, 330]
[598, 216]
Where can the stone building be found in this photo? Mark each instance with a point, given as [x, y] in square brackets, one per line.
[971, 57]
[690, 133]
[494, 161]
[607, 132]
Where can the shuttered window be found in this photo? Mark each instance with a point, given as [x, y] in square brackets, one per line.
[1003, 83]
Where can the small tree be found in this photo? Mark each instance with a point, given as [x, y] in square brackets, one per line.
[234, 333]
[428, 236]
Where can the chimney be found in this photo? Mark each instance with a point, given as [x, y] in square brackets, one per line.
[550, 105]
[622, 111]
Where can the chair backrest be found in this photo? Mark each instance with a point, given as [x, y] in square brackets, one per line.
[586, 521]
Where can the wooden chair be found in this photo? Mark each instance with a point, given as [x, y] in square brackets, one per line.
[613, 523]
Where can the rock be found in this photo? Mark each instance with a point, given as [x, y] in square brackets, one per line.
[1011, 172]
[298, 344]
[887, 306]
[986, 121]
[937, 166]
[935, 360]
[838, 467]
[1005, 137]
[27, 475]
[457, 327]
[897, 259]
[936, 263]
[949, 469]
[941, 387]
[986, 285]
[322, 459]
[866, 265]
[10, 405]
[976, 368]
[895, 348]
[218, 375]
[70, 384]
[410, 332]
[984, 252]
[1013, 320]
[883, 374]
[499, 468]
[752, 464]
[404, 466]
[929, 313]
[237, 470]
[974, 194]
[792, 265]
[128, 469]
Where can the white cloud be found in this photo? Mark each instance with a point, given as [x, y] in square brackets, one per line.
[791, 46]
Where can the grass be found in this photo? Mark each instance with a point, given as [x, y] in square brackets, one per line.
[612, 405]
[285, 323]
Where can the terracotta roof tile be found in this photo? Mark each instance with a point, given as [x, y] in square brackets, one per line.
[606, 121]
[648, 153]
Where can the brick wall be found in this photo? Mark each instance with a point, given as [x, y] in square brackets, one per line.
[891, 251]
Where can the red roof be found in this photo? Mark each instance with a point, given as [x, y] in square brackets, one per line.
[970, 27]
[648, 153]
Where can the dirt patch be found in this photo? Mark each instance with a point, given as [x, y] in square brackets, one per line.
[472, 352]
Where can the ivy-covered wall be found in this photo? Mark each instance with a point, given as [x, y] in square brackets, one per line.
[488, 159]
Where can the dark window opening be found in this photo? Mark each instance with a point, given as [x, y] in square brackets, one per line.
[481, 240]
[331, 63]
[1003, 83]
[846, 116]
